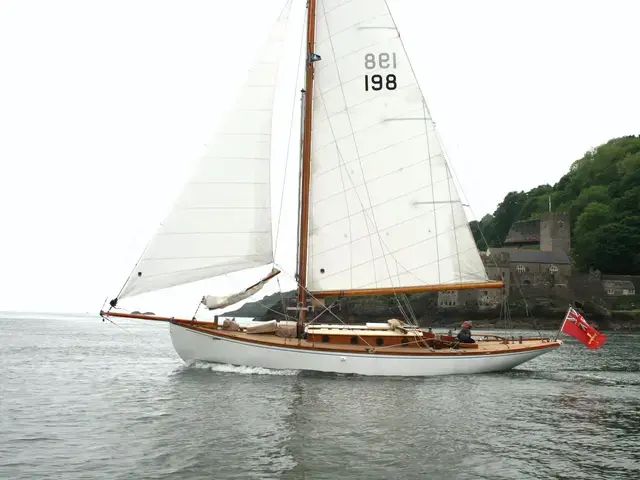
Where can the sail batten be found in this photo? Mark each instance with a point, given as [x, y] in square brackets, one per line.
[384, 211]
[221, 222]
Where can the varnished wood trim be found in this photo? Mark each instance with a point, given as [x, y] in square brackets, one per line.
[138, 316]
[155, 318]
[305, 167]
[415, 289]
[369, 340]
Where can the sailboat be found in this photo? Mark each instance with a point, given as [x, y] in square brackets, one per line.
[379, 214]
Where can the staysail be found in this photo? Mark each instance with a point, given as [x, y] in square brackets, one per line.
[221, 223]
[384, 210]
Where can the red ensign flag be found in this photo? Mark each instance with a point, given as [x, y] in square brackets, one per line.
[575, 325]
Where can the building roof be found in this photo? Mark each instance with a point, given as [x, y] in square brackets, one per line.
[634, 279]
[524, 231]
[619, 284]
[522, 255]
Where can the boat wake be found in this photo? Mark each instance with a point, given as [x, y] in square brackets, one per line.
[240, 370]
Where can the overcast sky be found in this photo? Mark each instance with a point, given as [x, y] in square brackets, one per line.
[106, 105]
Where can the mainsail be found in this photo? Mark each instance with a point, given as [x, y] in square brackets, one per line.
[384, 210]
[221, 223]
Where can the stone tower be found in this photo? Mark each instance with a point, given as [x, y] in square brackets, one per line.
[555, 232]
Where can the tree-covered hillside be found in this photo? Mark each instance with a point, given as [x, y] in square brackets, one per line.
[602, 194]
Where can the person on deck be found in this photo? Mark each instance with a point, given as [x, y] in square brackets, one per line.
[464, 335]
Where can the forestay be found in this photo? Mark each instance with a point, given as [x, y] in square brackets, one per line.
[221, 223]
[384, 210]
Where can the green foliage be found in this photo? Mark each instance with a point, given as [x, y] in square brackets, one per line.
[601, 192]
[593, 216]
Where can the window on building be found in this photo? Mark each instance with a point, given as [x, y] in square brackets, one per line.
[610, 291]
[625, 291]
[553, 269]
[520, 269]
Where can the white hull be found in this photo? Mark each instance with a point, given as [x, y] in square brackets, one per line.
[198, 346]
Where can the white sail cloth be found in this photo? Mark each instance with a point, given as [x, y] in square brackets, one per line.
[384, 210]
[213, 302]
[221, 223]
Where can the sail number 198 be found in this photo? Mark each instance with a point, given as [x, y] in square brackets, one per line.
[378, 81]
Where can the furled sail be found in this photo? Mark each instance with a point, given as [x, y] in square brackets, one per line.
[213, 302]
[221, 223]
[384, 210]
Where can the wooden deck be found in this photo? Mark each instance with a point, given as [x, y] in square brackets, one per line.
[481, 347]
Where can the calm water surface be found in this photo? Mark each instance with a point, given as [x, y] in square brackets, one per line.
[83, 399]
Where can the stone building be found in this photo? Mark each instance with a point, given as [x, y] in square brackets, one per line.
[523, 233]
[618, 285]
[535, 255]
[550, 233]
[535, 252]
[535, 267]
[535, 258]
[555, 232]
[497, 269]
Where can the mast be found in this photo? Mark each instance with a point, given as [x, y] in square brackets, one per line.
[305, 176]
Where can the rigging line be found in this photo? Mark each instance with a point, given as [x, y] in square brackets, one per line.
[425, 107]
[495, 263]
[453, 216]
[510, 323]
[410, 308]
[457, 180]
[402, 310]
[138, 337]
[365, 210]
[491, 257]
[293, 110]
[287, 4]
[196, 312]
[331, 305]
[524, 299]
[344, 99]
[236, 285]
[407, 308]
[325, 308]
[135, 266]
[282, 12]
[282, 301]
[259, 302]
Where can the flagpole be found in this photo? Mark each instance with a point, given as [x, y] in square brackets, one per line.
[563, 322]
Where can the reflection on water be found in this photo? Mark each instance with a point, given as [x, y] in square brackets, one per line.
[83, 399]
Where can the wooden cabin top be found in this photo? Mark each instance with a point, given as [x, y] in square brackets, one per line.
[364, 332]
